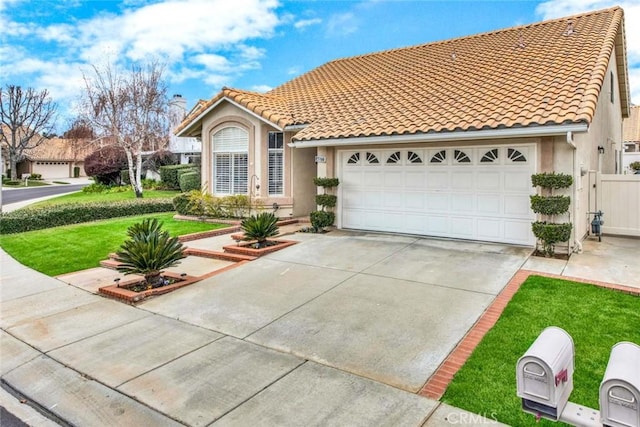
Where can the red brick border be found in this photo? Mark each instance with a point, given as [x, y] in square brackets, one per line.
[437, 384]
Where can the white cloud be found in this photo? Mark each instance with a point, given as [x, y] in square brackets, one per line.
[304, 23]
[342, 24]
[209, 40]
[212, 62]
[558, 8]
[293, 71]
[261, 88]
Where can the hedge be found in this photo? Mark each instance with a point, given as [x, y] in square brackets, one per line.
[181, 203]
[189, 181]
[321, 219]
[57, 215]
[170, 175]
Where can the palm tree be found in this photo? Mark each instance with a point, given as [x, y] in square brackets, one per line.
[148, 251]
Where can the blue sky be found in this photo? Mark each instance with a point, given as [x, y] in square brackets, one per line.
[248, 44]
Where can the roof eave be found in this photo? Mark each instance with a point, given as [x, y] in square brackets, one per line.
[535, 131]
[623, 71]
[186, 131]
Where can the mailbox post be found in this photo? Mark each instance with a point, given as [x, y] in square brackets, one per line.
[545, 374]
[620, 387]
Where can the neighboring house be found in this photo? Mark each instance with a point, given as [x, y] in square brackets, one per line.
[187, 148]
[631, 139]
[55, 158]
[438, 139]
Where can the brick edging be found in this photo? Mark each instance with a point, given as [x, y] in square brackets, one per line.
[437, 384]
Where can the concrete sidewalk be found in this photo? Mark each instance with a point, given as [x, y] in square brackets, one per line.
[244, 348]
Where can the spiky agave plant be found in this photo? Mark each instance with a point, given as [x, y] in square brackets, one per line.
[260, 227]
[148, 251]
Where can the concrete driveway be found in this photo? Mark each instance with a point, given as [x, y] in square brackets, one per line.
[340, 329]
[388, 308]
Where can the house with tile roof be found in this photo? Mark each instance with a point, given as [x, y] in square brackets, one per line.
[439, 139]
[56, 158]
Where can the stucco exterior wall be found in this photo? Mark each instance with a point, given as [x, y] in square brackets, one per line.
[299, 167]
[605, 131]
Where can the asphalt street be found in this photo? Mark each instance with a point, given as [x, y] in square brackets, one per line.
[22, 194]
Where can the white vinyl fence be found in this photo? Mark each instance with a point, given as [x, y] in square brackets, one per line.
[619, 199]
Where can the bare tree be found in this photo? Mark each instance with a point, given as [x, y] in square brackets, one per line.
[130, 107]
[26, 116]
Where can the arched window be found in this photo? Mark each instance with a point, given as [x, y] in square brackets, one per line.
[230, 161]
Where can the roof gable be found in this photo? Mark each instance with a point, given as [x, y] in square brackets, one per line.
[549, 73]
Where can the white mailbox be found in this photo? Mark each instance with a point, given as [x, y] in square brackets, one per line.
[544, 374]
[620, 387]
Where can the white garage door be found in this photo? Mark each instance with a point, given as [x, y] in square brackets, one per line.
[477, 193]
[50, 170]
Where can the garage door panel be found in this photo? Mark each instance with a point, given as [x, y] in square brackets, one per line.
[352, 177]
[488, 180]
[414, 200]
[483, 197]
[352, 218]
[415, 223]
[393, 179]
[489, 204]
[373, 178]
[517, 205]
[517, 231]
[352, 199]
[462, 202]
[437, 225]
[414, 179]
[393, 199]
[461, 180]
[437, 202]
[462, 227]
[489, 229]
[372, 199]
[438, 179]
[517, 181]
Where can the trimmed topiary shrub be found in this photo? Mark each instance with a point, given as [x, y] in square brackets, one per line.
[326, 200]
[74, 213]
[189, 181]
[550, 205]
[326, 182]
[169, 175]
[552, 180]
[321, 219]
[550, 234]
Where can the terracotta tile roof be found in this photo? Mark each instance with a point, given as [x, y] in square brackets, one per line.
[539, 74]
[59, 149]
[631, 125]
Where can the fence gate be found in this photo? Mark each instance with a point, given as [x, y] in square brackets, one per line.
[618, 196]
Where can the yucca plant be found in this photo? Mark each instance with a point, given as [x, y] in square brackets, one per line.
[260, 227]
[148, 251]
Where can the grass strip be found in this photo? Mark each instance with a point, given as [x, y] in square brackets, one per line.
[596, 318]
[60, 250]
[80, 197]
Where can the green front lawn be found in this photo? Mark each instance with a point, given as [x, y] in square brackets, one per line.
[81, 197]
[77, 247]
[596, 318]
